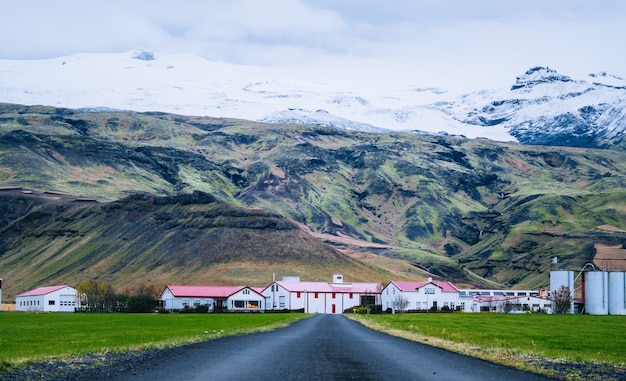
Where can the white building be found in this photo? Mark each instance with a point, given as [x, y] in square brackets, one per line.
[506, 304]
[48, 299]
[510, 301]
[217, 298]
[320, 297]
[403, 295]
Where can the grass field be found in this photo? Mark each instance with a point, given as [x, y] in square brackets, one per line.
[32, 337]
[578, 338]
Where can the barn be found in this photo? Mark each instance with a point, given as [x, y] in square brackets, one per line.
[320, 297]
[48, 299]
[216, 298]
[404, 295]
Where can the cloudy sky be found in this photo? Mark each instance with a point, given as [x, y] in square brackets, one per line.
[468, 43]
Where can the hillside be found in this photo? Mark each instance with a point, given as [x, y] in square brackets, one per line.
[470, 210]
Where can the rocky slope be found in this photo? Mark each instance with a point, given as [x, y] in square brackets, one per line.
[472, 211]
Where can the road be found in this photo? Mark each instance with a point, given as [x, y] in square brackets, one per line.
[323, 347]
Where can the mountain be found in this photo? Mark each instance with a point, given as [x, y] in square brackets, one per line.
[473, 211]
[539, 107]
[547, 108]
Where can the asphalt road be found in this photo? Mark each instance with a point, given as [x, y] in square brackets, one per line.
[323, 347]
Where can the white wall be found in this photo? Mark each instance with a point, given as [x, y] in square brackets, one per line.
[63, 300]
[422, 299]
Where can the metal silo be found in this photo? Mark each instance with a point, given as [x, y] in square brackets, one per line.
[617, 293]
[596, 292]
[559, 278]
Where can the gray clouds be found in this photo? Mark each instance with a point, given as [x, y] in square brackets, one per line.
[460, 37]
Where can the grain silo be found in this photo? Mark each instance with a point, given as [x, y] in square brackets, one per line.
[596, 292]
[617, 293]
[562, 278]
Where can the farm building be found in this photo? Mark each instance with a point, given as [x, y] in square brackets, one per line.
[320, 297]
[217, 298]
[48, 299]
[400, 295]
[505, 303]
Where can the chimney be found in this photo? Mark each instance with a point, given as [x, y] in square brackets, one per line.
[430, 279]
[337, 278]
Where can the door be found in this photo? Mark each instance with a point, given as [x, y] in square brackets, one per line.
[334, 309]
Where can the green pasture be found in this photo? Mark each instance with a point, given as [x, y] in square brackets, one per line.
[32, 337]
[580, 338]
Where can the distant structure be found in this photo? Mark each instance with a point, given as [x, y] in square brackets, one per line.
[48, 299]
[320, 297]
[603, 292]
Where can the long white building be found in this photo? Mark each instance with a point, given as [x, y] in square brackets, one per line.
[320, 297]
[48, 299]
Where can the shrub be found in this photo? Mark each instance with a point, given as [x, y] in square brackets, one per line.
[141, 303]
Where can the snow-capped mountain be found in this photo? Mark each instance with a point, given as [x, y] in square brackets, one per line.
[540, 107]
[548, 108]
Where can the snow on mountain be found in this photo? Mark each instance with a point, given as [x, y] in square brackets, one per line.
[542, 106]
[545, 107]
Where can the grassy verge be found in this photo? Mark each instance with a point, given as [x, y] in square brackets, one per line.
[515, 340]
[31, 337]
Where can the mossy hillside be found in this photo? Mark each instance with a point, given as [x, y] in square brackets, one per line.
[498, 210]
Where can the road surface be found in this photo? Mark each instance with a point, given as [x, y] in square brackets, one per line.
[323, 347]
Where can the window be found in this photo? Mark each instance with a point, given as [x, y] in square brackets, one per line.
[334, 295]
[51, 302]
[253, 304]
[246, 292]
[429, 291]
[196, 303]
[185, 303]
[281, 301]
[297, 294]
[238, 303]
[462, 304]
[521, 294]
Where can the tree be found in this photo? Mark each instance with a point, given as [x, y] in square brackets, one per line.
[400, 303]
[562, 300]
[141, 303]
[96, 296]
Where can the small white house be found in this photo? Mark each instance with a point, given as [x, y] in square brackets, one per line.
[405, 295]
[320, 297]
[48, 299]
[217, 298]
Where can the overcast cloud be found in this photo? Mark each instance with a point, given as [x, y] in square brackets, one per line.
[478, 42]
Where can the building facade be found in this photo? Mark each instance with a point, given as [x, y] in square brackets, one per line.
[216, 298]
[48, 299]
[402, 296]
[320, 297]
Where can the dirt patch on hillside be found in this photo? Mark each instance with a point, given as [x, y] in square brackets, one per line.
[611, 228]
[610, 258]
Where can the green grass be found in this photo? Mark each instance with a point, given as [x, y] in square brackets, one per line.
[32, 337]
[581, 338]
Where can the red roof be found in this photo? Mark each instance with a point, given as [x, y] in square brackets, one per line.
[359, 288]
[415, 286]
[206, 291]
[43, 290]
